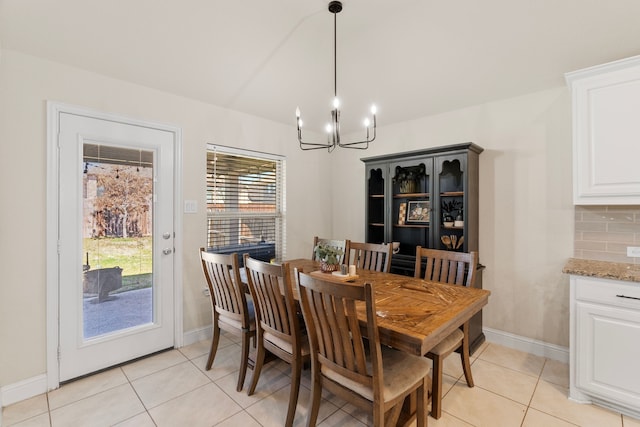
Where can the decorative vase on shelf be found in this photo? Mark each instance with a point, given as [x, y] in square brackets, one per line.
[407, 186]
[447, 221]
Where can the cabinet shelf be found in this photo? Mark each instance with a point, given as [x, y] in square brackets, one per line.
[452, 194]
[410, 195]
[411, 225]
[376, 224]
[376, 196]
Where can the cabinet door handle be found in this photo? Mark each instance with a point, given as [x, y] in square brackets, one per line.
[628, 297]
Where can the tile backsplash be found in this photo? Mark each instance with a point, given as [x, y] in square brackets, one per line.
[604, 232]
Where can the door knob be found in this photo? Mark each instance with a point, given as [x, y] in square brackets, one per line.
[167, 251]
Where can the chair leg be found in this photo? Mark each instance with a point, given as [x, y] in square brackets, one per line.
[315, 397]
[464, 356]
[214, 345]
[257, 368]
[421, 404]
[436, 391]
[296, 373]
[244, 361]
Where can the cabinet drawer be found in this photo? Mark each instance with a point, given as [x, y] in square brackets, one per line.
[602, 291]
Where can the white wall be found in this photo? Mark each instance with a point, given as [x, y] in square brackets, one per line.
[26, 83]
[526, 212]
[526, 220]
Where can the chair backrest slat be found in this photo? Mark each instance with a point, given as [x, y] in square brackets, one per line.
[370, 256]
[455, 268]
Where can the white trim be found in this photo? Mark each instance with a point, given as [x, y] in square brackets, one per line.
[23, 390]
[53, 126]
[54, 109]
[197, 335]
[245, 152]
[599, 69]
[528, 345]
[178, 300]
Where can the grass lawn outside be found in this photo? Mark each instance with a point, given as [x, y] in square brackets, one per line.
[133, 254]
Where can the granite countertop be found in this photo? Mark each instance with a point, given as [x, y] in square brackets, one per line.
[603, 269]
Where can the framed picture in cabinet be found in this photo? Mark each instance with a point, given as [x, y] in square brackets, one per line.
[418, 211]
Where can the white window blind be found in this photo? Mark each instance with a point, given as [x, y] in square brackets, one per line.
[245, 203]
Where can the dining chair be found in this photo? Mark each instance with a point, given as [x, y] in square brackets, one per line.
[231, 310]
[277, 322]
[353, 367]
[370, 256]
[457, 268]
[342, 244]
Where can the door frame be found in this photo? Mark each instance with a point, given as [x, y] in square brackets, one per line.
[54, 109]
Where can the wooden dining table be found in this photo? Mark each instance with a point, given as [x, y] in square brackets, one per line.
[413, 315]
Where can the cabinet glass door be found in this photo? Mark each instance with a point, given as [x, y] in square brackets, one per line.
[411, 209]
[452, 199]
[376, 179]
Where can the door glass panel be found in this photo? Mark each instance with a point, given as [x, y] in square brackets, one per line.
[117, 239]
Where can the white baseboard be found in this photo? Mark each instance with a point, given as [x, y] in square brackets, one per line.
[196, 335]
[23, 390]
[529, 345]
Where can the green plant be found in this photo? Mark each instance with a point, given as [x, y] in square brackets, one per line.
[450, 208]
[328, 254]
[409, 173]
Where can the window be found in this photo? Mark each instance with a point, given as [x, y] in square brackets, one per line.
[245, 203]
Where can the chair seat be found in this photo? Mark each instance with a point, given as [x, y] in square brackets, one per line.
[450, 343]
[401, 370]
[236, 323]
[286, 346]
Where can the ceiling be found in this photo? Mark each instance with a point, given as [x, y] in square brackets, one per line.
[413, 58]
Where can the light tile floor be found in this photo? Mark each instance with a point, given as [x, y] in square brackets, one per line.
[173, 389]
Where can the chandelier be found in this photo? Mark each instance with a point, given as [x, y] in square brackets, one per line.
[333, 128]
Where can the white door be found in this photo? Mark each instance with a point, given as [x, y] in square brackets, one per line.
[116, 242]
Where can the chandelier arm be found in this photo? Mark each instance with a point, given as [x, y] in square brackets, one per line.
[310, 145]
[356, 144]
[313, 145]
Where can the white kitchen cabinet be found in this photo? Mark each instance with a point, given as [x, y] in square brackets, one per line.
[606, 133]
[605, 343]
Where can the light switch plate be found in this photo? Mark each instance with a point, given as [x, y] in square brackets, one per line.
[190, 206]
[633, 251]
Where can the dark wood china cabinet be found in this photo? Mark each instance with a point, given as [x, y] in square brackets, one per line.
[425, 198]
